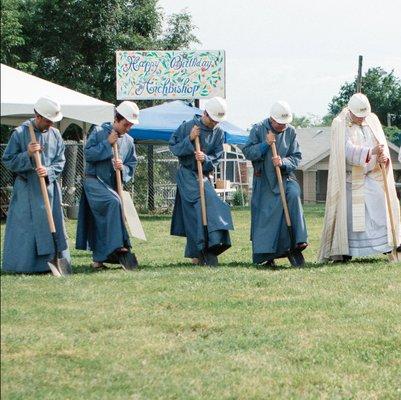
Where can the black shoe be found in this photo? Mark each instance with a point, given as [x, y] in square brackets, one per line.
[268, 264]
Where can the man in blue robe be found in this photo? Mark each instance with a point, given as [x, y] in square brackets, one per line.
[187, 220]
[101, 226]
[269, 233]
[28, 243]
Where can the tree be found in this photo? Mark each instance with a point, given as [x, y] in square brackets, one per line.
[179, 34]
[383, 90]
[307, 121]
[73, 42]
[327, 120]
[11, 32]
[301, 122]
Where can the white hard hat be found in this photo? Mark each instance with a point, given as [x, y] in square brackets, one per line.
[216, 107]
[130, 111]
[359, 105]
[48, 109]
[281, 112]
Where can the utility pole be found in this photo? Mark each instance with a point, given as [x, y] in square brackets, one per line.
[389, 118]
[359, 79]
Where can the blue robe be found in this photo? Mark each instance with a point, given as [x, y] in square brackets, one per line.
[269, 233]
[100, 223]
[28, 243]
[187, 217]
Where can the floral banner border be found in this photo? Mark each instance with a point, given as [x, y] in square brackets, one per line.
[154, 75]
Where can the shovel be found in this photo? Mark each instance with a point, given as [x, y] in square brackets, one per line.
[294, 255]
[207, 258]
[126, 259]
[58, 266]
[394, 256]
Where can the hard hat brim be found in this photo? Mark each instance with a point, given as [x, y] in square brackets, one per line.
[287, 120]
[58, 117]
[216, 119]
[134, 121]
[360, 114]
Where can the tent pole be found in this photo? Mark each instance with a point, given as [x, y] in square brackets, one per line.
[84, 139]
[84, 132]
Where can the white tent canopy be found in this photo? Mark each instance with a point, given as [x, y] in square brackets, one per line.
[20, 91]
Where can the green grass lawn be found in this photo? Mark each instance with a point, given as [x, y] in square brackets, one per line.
[175, 331]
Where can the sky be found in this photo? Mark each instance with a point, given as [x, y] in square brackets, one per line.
[297, 51]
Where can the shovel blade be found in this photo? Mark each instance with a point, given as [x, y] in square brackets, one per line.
[60, 267]
[296, 258]
[64, 266]
[53, 269]
[128, 261]
[394, 256]
[208, 258]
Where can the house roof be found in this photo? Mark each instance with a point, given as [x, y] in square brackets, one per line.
[315, 146]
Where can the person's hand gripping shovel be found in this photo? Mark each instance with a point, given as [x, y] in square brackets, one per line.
[59, 266]
[207, 257]
[295, 256]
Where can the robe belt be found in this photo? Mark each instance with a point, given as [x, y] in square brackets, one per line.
[22, 177]
[205, 174]
[258, 174]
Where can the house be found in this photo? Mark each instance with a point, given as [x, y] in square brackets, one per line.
[313, 170]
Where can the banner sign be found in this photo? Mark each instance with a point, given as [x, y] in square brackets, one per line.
[151, 75]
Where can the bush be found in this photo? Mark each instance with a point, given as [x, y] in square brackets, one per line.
[240, 198]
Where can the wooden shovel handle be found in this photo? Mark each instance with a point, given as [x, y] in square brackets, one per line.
[119, 183]
[201, 183]
[42, 182]
[390, 210]
[281, 186]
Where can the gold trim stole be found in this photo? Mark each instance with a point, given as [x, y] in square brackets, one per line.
[358, 184]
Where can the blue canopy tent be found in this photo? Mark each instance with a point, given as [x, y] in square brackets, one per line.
[156, 124]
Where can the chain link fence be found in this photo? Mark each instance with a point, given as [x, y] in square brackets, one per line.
[153, 189]
[6, 184]
[154, 186]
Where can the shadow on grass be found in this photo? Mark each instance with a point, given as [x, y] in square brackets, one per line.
[155, 217]
[188, 265]
[87, 269]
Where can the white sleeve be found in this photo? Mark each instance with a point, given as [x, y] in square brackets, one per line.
[355, 154]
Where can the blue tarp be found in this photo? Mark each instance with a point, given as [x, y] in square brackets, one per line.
[156, 124]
